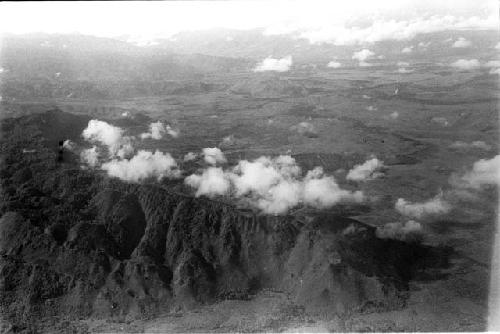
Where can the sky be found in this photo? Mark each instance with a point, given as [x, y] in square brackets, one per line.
[338, 22]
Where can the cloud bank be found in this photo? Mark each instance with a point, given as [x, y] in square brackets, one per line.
[276, 65]
[110, 136]
[90, 156]
[477, 144]
[369, 170]
[362, 56]
[142, 166]
[433, 206]
[466, 64]
[409, 231]
[273, 185]
[484, 172]
[213, 156]
[334, 64]
[157, 130]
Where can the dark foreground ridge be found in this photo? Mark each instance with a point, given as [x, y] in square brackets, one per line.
[75, 243]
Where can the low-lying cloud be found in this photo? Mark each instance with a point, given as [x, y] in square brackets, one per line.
[368, 170]
[274, 64]
[477, 144]
[466, 64]
[362, 56]
[483, 172]
[408, 231]
[142, 166]
[212, 182]
[110, 136]
[273, 185]
[334, 64]
[90, 156]
[213, 156]
[157, 130]
[434, 206]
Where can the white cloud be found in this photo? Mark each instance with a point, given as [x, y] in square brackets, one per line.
[143, 165]
[494, 65]
[212, 182]
[394, 115]
[273, 185]
[157, 130]
[334, 64]
[424, 45]
[325, 21]
[190, 156]
[497, 46]
[109, 135]
[409, 231]
[477, 144]
[322, 191]
[272, 64]
[369, 170]
[462, 43]
[90, 156]
[371, 108]
[403, 64]
[407, 49]
[213, 155]
[484, 172]
[495, 71]
[69, 145]
[404, 70]
[433, 206]
[466, 64]
[362, 56]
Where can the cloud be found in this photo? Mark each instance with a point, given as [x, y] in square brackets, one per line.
[143, 165]
[478, 144]
[404, 70]
[273, 185]
[497, 46]
[305, 129]
[362, 56]
[157, 130]
[69, 145]
[90, 156]
[484, 172]
[190, 156]
[334, 64]
[407, 49]
[462, 43]
[424, 45]
[394, 115]
[466, 64]
[371, 108]
[494, 65]
[369, 170]
[212, 182]
[322, 191]
[109, 135]
[272, 64]
[213, 156]
[433, 206]
[403, 64]
[409, 231]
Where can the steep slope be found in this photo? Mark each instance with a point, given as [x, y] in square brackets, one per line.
[77, 244]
